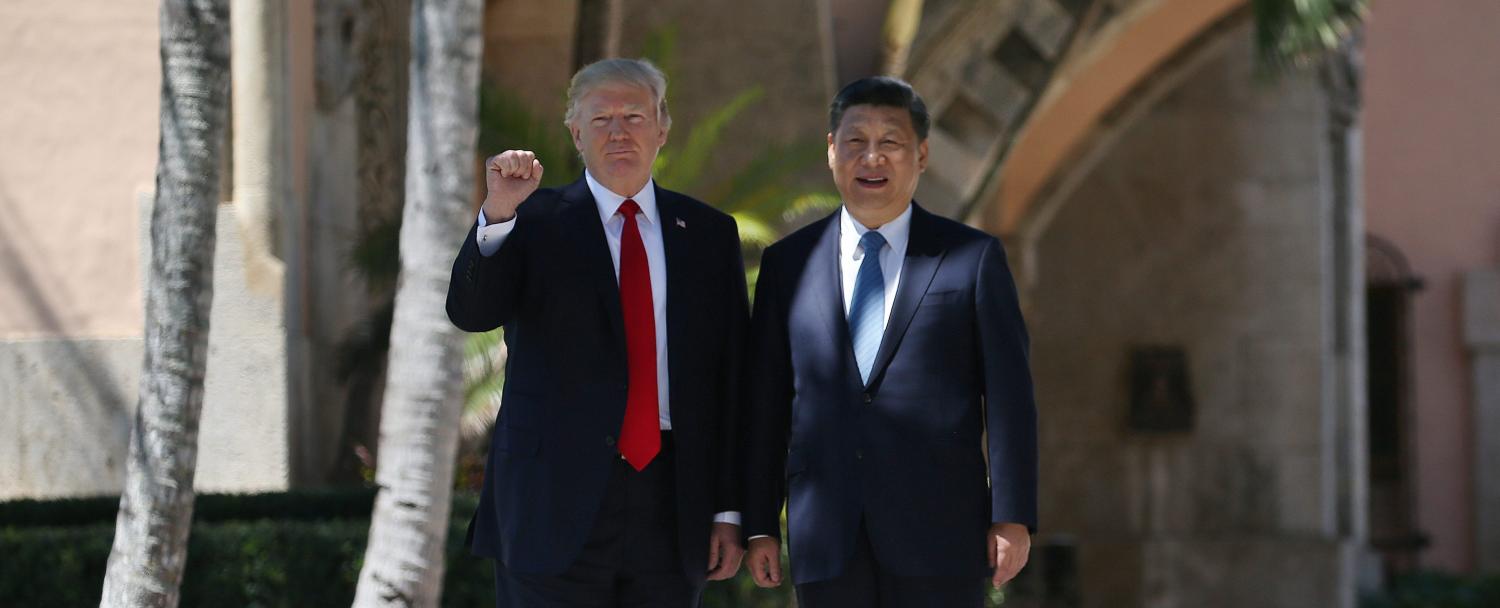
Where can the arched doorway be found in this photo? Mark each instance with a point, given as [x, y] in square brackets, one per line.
[1390, 285]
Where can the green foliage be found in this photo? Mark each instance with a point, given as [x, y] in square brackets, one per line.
[681, 165]
[1437, 590]
[484, 376]
[660, 48]
[1297, 31]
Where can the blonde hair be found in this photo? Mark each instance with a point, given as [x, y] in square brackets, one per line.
[638, 72]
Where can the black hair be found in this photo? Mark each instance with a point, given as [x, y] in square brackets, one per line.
[880, 91]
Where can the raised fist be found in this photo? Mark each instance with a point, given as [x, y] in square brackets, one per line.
[510, 176]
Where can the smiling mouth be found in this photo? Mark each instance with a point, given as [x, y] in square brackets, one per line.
[871, 182]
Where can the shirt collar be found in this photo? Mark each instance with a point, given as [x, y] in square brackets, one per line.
[609, 202]
[896, 232]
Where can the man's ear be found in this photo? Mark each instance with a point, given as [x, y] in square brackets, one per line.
[922, 156]
[577, 142]
[830, 150]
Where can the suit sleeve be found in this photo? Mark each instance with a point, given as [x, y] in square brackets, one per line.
[729, 493]
[768, 410]
[1010, 407]
[483, 290]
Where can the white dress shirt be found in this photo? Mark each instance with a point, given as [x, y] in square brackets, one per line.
[896, 232]
[648, 221]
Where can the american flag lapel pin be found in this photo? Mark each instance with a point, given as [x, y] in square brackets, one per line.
[680, 223]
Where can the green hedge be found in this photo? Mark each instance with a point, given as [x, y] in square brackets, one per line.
[335, 503]
[312, 559]
[260, 550]
[1438, 590]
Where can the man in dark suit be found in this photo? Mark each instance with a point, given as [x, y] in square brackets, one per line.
[610, 479]
[888, 359]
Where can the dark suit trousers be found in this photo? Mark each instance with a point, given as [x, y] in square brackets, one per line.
[630, 559]
[865, 584]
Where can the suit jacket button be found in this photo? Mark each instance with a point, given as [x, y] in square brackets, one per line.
[859, 454]
[609, 440]
[869, 398]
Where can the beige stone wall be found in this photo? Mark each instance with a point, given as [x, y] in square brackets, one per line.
[1206, 227]
[1432, 186]
[725, 47]
[528, 51]
[78, 110]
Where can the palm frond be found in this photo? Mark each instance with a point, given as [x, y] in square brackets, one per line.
[484, 379]
[754, 231]
[766, 176]
[683, 166]
[660, 48]
[809, 203]
[1296, 32]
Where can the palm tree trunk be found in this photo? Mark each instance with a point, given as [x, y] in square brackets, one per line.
[597, 35]
[156, 505]
[419, 422]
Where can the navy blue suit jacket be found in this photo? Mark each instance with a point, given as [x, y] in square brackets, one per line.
[905, 452]
[552, 286]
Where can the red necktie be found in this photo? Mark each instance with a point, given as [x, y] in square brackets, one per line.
[640, 434]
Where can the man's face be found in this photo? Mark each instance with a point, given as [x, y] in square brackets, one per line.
[617, 132]
[876, 158]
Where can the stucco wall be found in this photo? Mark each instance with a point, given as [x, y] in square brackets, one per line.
[69, 403]
[78, 110]
[1432, 186]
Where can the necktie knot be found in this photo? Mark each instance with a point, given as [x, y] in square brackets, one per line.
[629, 208]
[871, 242]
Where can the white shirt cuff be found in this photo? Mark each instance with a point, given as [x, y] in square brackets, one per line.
[760, 536]
[728, 517]
[491, 236]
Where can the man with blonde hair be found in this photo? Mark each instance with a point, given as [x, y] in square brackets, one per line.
[610, 479]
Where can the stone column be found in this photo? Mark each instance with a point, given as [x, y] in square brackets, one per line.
[258, 63]
[1348, 449]
[250, 368]
[1482, 334]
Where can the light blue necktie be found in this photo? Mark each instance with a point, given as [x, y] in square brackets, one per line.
[867, 307]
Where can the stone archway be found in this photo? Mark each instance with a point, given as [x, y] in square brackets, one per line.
[1020, 90]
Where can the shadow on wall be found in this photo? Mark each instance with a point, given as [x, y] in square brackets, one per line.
[58, 370]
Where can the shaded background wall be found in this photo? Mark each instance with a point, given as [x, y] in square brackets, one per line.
[1206, 228]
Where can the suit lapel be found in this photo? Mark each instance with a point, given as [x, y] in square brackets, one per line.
[923, 255]
[582, 213]
[679, 260]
